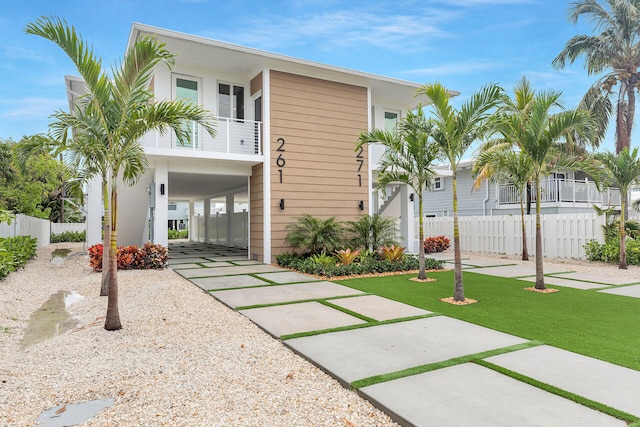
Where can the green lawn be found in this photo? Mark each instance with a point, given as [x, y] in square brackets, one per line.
[591, 323]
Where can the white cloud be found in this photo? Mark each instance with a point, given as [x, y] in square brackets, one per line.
[466, 67]
[345, 28]
[17, 52]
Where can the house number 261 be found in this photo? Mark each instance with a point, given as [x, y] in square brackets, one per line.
[280, 161]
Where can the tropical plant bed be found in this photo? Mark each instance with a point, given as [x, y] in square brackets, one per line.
[326, 266]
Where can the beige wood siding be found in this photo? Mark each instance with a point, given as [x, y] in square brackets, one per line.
[256, 84]
[319, 121]
[256, 212]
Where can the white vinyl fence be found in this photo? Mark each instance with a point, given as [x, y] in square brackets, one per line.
[61, 227]
[218, 229]
[563, 235]
[24, 225]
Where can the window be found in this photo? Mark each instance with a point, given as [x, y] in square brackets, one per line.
[172, 207]
[187, 90]
[438, 184]
[390, 120]
[231, 101]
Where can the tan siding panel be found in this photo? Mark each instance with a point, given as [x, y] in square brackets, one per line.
[256, 219]
[320, 122]
[256, 84]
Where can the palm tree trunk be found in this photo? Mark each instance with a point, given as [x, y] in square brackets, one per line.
[623, 236]
[539, 256]
[525, 250]
[106, 240]
[623, 130]
[458, 293]
[422, 273]
[112, 322]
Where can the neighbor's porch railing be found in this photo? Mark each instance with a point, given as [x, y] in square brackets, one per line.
[562, 191]
[233, 137]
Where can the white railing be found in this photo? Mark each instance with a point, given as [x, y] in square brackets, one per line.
[562, 191]
[232, 137]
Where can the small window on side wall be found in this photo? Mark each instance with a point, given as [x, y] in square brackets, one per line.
[438, 184]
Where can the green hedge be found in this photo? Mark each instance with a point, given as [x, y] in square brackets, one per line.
[15, 252]
[366, 265]
[610, 252]
[175, 234]
[69, 236]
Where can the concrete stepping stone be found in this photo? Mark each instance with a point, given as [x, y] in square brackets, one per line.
[484, 263]
[361, 353]
[185, 260]
[471, 395]
[216, 264]
[590, 277]
[282, 293]
[559, 281]
[604, 382]
[449, 265]
[226, 271]
[378, 308]
[184, 266]
[627, 291]
[294, 318]
[223, 282]
[288, 277]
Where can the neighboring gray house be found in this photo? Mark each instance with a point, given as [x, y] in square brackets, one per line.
[567, 192]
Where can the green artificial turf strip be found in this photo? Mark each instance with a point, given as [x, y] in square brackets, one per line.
[595, 324]
[616, 413]
[376, 379]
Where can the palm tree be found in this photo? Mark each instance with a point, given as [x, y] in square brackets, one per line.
[547, 139]
[370, 232]
[621, 170]
[314, 235]
[408, 159]
[500, 165]
[614, 52]
[454, 132]
[113, 115]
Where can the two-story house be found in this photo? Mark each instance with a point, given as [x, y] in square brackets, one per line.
[286, 133]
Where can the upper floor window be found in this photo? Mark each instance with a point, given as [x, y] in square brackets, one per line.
[390, 120]
[231, 101]
[438, 184]
[187, 90]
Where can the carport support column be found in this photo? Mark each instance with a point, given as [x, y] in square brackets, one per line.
[230, 210]
[193, 236]
[207, 217]
[161, 217]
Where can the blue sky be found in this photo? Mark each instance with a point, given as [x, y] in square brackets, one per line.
[460, 43]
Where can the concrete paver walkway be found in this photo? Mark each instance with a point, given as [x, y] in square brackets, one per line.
[461, 395]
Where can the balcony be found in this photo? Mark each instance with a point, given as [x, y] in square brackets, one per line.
[563, 192]
[233, 137]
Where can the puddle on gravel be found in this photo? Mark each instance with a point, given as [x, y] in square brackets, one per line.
[51, 319]
[58, 256]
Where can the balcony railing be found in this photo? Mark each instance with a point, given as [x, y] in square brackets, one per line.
[233, 137]
[562, 191]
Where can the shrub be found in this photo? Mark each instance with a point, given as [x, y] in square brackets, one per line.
[370, 232]
[15, 252]
[365, 265]
[69, 236]
[150, 256]
[347, 256]
[323, 259]
[177, 234]
[392, 253]
[313, 235]
[436, 244]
